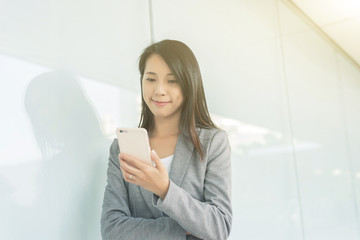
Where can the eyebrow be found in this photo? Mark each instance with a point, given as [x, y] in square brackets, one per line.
[152, 73]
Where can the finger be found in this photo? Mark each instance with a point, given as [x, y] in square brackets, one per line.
[156, 159]
[131, 177]
[133, 161]
[128, 168]
[128, 177]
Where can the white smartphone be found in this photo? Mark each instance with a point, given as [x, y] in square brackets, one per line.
[134, 142]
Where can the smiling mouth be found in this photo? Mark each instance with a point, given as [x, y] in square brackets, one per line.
[158, 103]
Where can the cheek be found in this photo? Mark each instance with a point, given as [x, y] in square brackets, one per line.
[145, 98]
[180, 93]
[180, 97]
[145, 90]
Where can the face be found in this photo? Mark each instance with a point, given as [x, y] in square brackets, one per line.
[161, 90]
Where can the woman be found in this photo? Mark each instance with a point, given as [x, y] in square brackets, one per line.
[186, 194]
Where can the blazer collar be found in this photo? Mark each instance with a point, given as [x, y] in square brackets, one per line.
[182, 157]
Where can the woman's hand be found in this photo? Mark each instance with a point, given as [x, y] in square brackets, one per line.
[152, 178]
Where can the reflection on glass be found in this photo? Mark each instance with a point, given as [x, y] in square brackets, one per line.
[58, 196]
[115, 106]
[337, 172]
[254, 140]
[56, 131]
[71, 175]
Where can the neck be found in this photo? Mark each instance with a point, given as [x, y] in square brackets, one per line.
[165, 127]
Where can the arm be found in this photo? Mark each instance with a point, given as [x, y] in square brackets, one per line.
[210, 219]
[116, 219]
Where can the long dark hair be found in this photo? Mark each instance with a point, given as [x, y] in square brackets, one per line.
[183, 64]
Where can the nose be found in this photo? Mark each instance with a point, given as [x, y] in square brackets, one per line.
[160, 89]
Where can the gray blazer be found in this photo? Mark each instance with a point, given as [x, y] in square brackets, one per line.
[198, 200]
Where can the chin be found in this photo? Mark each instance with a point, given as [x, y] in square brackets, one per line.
[161, 115]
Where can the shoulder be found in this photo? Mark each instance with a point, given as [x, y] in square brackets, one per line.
[213, 138]
[211, 134]
[114, 145]
[215, 144]
[114, 149]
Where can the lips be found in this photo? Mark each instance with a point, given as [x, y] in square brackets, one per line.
[160, 103]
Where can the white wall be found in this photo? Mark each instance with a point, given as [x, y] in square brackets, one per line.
[288, 99]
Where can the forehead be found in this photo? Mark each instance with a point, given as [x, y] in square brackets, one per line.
[156, 64]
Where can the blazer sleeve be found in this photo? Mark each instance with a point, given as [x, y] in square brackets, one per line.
[116, 219]
[212, 218]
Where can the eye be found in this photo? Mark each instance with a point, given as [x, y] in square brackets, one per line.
[173, 81]
[150, 79]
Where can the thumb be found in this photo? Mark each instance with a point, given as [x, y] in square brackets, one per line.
[155, 158]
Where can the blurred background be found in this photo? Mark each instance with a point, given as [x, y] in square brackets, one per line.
[281, 77]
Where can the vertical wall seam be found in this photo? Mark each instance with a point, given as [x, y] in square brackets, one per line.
[347, 140]
[284, 76]
[151, 21]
